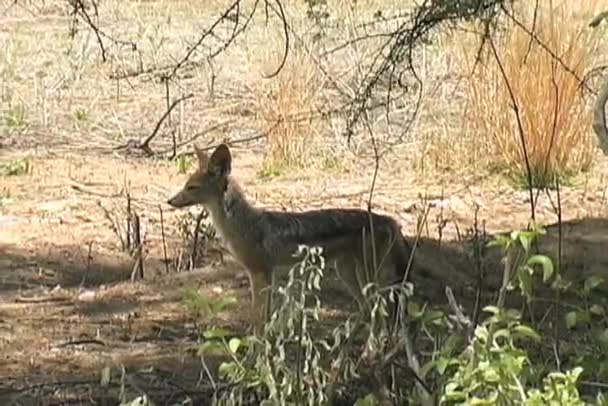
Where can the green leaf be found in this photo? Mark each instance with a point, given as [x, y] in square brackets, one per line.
[211, 347]
[491, 309]
[515, 235]
[583, 316]
[414, 310]
[500, 241]
[227, 368]
[454, 396]
[525, 283]
[216, 333]
[598, 310]
[525, 239]
[442, 364]
[571, 319]
[221, 303]
[491, 400]
[592, 282]
[501, 332]
[602, 337]
[316, 282]
[545, 262]
[369, 400]
[525, 331]
[234, 344]
[432, 315]
[512, 314]
[452, 343]
[491, 375]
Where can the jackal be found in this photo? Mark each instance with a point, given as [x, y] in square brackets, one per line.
[262, 241]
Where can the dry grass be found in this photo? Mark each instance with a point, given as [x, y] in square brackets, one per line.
[286, 108]
[553, 114]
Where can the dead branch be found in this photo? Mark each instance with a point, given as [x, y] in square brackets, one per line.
[520, 128]
[198, 135]
[145, 145]
[162, 232]
[79, 342]
[138, 237]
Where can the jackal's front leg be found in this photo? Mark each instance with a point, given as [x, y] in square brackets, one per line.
[261, 281]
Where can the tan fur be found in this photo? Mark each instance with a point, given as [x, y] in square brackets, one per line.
[263, 240]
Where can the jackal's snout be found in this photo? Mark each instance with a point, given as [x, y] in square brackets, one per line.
[177, 201]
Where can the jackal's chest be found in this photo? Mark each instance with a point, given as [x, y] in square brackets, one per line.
[244, 245]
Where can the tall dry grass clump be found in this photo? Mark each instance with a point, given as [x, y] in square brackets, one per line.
[553, 113]
[287, 108]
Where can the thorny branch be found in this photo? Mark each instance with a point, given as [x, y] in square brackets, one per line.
[79, 9]
[395, 58]
[233, 15]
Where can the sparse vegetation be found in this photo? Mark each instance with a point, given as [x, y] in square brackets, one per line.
[81, 115]
[184, 163]
[15, 118]
[16, 167]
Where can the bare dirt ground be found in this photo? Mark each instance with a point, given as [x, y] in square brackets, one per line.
[67, 305]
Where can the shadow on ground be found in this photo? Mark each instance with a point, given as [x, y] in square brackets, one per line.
[58, 347]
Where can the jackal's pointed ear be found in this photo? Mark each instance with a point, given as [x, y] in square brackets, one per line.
[203, 158]
[220, 162]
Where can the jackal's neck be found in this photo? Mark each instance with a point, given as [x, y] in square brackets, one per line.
[233, 211]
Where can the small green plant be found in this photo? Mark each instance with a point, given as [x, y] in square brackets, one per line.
[519, 180]
[15, 118]
[495, 370]
[293, 363]
[559, 388]
[200, 305]
[269, 171]
[587, 318]
[520, 263]
[585, 313]
[332, 164]
[81, 115]
[284, 366]
[184, 163]
[16, 168]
